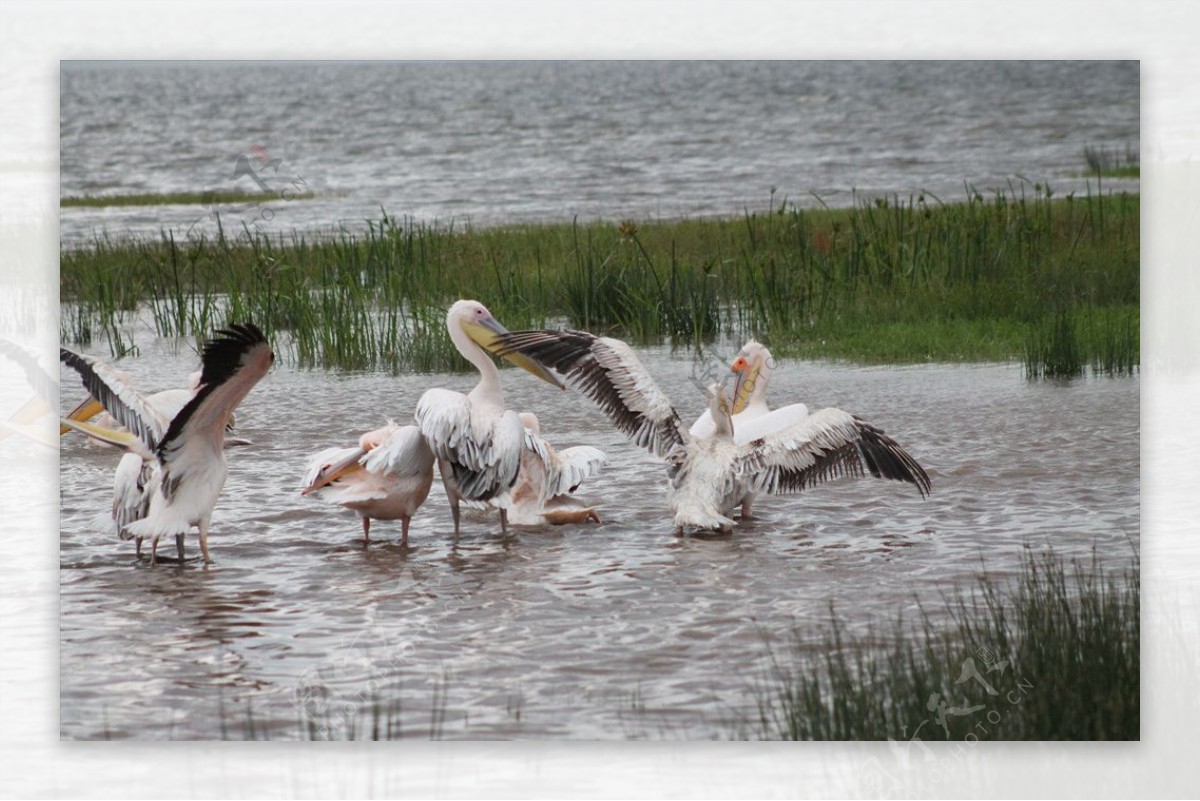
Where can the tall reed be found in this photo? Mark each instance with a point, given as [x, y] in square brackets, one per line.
[978, 278]
[1056, 657]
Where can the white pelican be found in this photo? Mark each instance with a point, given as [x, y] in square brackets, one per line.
[476, 440]
[189, 467]
[133, 474]
[387, 477]
[709, 477]
[547, 478]
[751, 416]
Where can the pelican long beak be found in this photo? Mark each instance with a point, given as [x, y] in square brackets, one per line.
[746, 375]
[85, 410]
[122, 439]
[335, 471]
[487, 332]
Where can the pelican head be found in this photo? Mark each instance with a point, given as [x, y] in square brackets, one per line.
[485, 330]
[751, 368]
[530, 421]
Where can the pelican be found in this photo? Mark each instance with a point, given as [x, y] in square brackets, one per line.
[387, 477]
[709, 477]
[188, 467]
[476, 440]
[751, 416]
[547, 478]
[133, 474]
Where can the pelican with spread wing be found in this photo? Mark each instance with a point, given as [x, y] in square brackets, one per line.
[185, 454]
[477, 441]
[751, 416]
[387, 477]
[711, 476]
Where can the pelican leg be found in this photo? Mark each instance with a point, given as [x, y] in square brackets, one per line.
[746, 515]
[454, 511]
[179, 546]
[138, 540]
[504, 521]
[204, 540]
[366, 530]
[154, 550]
[404, 521]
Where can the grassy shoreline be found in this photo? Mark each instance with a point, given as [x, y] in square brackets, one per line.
[1016, 276]
[205, 198]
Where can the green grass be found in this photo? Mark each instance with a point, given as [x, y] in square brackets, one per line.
[205, 198]
[1070, 645]
[1105, 163]
[899, 280]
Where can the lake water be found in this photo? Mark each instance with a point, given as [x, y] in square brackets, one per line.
[492, 143]
[616, 630]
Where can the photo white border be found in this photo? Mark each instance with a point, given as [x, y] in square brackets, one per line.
[35, 36]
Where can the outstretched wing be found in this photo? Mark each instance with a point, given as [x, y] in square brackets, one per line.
[607, 371]
[234, 360]
[127, 406]
[823, 446]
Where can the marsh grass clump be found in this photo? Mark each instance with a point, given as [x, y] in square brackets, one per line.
[1055, 658]
[886, 280]
[1103, 162]
[1066, 343]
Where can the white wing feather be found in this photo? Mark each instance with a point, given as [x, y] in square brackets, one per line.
[484, 454]
[572, 467]
[822, 446]
[402, 452]
[126, 405]
[610, 373]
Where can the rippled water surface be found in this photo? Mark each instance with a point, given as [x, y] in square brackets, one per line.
[614, 630]
[498, 142]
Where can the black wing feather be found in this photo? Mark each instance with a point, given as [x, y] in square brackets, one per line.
[852, 449]
[618, 387]
[221, 360]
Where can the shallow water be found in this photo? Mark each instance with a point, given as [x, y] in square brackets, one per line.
[503, 142]
[615, 630]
